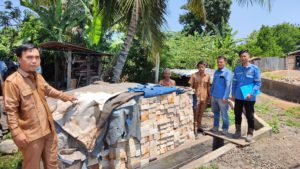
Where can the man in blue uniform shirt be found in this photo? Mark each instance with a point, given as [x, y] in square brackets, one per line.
[220, 90]
[245, 75]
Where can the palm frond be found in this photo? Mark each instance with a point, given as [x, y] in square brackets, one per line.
[263, 3]
[197, 7]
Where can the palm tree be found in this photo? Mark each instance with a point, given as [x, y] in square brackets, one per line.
[149, 14]
[57, 17]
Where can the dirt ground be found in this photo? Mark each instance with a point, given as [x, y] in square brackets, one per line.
[281, 150]
[286, 76]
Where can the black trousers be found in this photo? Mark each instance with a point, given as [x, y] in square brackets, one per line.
[238, 110]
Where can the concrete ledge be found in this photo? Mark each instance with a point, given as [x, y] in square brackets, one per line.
[281, 90]
[209, 157]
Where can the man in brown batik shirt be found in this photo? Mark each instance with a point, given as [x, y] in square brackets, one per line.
[200, 82]
[29, 118]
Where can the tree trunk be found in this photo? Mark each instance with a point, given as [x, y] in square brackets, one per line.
[117, 69]
[157, 67]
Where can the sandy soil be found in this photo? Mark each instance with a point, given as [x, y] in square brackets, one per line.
[281, 150]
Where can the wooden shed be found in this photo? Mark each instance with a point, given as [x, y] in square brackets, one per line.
[82, 64]
[293, 60]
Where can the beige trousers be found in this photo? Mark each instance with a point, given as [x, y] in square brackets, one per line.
[201, 106]
[44, 149]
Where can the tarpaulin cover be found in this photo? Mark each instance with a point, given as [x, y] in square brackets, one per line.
[152, 90]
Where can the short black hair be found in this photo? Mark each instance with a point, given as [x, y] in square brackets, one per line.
[24, 48]
[222, 57]
[201, 63]
[243, 51]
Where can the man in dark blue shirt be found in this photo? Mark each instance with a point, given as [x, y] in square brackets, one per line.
[245, 75]
[220, 90]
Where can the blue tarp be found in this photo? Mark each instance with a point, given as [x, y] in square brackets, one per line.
[152, 90]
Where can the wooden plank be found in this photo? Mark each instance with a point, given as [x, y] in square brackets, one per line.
[69, 56]
[241, 142]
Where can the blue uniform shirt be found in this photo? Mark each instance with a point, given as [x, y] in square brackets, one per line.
[245, 76]
[220, 88]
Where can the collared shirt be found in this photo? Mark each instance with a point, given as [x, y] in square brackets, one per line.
[26, 105]
[245, 76]
[220, 88]
[201, 84]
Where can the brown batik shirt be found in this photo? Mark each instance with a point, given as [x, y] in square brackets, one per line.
[26, 105]
[201, 84]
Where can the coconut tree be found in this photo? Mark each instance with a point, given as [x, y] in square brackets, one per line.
[151, 13]
[57, 16]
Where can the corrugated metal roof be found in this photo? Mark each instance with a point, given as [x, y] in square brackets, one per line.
[53, 45]
[189, 72]
[297, 52]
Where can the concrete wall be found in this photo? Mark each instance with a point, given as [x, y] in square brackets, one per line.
[281, 90]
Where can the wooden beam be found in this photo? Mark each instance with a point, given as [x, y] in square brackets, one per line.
[69, 61]
[88, 69]
[241, 142]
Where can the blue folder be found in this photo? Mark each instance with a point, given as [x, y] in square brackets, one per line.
[247, 89]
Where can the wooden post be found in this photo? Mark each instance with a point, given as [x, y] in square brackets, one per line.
[56, 68]
[156, 68]
[69, 55]
[88, 70]
[99, 67]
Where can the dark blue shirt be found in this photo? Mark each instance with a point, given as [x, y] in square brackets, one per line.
[221, 83]
[245, 76]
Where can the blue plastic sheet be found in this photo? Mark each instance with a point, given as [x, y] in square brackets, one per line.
[152, 90]
[247, 89]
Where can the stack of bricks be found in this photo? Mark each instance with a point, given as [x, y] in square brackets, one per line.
[115, 157]
[166, 123]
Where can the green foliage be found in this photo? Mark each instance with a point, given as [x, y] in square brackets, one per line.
[10, 16]
[293, 112]
[293, 123]
[277, 40]
[267, 42]
[231, 116]
[58, 18]
[138, 66]
[16, 27]
[272, 76]
[274, 123]
[10, 161]
[7, 136]
[216, 11]
[183, 51]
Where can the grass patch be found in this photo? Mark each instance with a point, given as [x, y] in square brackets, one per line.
[7, 136]
[293, 112]
[231, 116]
[10, 161]
[263, 108]
[208, 109]
[272, 76]
[292, 123]
[274, 123]
[209, 167]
